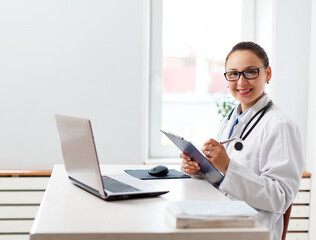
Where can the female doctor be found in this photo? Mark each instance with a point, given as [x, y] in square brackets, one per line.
[264, 164]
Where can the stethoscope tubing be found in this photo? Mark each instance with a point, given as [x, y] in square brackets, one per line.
[238, 145]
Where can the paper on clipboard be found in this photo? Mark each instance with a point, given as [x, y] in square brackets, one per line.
[209, 172]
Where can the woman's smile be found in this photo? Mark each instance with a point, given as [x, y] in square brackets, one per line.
[244, 91]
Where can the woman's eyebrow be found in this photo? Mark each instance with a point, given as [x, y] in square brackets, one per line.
[235, 69]
[252, 67]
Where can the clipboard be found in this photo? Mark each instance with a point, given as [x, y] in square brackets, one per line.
[208, 171]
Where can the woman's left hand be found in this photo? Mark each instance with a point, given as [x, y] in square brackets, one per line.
[216, 153]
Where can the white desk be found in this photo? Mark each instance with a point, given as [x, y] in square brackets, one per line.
[68, 212]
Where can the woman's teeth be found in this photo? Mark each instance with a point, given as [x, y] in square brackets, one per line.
[244, 91]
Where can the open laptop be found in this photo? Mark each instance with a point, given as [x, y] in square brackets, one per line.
[82, 164]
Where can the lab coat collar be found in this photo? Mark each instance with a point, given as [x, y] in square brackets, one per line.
[224, 133]
[262, 102]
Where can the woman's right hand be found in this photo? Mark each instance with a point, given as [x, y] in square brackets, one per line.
[189, 167]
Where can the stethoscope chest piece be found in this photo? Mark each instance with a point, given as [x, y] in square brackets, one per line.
[238, 146]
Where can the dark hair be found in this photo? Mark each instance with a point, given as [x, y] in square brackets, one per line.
[253, 47]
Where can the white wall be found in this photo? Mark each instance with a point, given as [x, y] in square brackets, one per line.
[311, 135]
[291, 48]
[76, 57]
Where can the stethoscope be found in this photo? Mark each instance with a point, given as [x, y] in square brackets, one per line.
[238, 145]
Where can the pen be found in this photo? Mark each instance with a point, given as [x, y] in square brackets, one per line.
[228, 140]
[223, 142]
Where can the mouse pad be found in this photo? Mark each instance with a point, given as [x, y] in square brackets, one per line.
[144, 175]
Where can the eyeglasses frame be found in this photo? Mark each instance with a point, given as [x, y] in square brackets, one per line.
[243, 73]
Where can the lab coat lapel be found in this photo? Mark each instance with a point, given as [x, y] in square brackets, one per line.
[227, 125]
[262, 102]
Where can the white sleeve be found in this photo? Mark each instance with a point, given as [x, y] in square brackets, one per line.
[280, 170]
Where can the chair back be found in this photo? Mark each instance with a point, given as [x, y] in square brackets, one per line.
[286, 219]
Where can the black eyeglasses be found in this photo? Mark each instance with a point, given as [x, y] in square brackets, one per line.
[248, 74]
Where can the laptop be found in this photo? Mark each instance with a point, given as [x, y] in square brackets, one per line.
[83, 168]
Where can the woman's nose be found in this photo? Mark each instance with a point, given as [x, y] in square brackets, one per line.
[242, 80]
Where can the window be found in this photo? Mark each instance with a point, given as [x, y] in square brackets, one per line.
[189, 43]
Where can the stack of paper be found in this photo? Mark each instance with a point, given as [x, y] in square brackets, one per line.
[206, 214]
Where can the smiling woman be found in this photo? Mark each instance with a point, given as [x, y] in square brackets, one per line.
[263, 166]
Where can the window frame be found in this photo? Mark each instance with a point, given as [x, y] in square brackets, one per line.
[155, 149]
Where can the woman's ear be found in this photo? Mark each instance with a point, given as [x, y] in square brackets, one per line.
[269, 74]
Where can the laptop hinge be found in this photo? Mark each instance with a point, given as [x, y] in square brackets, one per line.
[87, 188]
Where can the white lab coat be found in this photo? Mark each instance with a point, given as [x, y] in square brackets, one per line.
[266, 173]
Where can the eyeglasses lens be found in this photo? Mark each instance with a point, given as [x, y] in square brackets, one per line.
[251, 73]
[232, 76]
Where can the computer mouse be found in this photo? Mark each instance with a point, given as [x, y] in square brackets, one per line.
[159, 171]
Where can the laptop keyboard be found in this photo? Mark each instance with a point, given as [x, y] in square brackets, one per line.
[116, 186]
